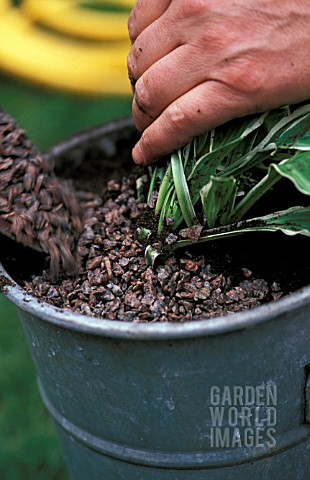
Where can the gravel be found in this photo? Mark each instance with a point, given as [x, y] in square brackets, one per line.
[114, 281]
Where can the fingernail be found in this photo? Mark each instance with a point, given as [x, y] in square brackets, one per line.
[137, 155]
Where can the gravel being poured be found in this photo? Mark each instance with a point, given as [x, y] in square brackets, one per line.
[36, 208]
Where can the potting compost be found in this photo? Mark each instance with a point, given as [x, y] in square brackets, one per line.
[112, 279]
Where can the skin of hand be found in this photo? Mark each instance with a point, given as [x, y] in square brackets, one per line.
[195, 64]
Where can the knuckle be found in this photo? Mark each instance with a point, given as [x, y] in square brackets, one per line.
[143, 96]
[133, 59]
[132, 25]
[137, 49]
[178, 117]
[253, 81]
[190, 8]
[247, 77]
[134, 22]
[130, 64]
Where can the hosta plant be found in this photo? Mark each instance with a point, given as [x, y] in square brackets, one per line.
[207, 189]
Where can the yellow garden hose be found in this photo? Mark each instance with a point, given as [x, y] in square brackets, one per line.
[61, 44]
[70, 17]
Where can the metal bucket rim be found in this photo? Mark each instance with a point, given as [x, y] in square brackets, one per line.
[153, 331]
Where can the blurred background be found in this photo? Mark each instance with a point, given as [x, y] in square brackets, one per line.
[62, 69]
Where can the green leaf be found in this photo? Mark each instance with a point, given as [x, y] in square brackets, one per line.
[143, 233]
[295, 220]
[292, 221]
[297, 129]
[140, 184]
[302, 143]
[287, 129]
[164, 189]
[182, 191]
[228, 141]
[152, 183]
[150, 255]
[253, 196]
[166, 210]
[217, 198]
[296, 169]
[226, 138]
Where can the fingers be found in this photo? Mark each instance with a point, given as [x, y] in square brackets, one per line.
[199, 110]
[154, 43]
[143, 14]
[154, 91]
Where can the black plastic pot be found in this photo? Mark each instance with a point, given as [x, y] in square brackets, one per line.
[226, 398]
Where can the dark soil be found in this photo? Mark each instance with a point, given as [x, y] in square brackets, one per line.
[114, 282]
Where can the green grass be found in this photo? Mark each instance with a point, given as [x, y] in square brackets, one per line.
[50, 116]
[28, 445]
[29, 448]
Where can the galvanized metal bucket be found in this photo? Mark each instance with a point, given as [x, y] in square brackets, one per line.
[226, 398]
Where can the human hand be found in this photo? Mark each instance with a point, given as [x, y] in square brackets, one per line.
[199, 63]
